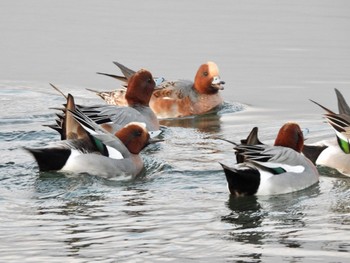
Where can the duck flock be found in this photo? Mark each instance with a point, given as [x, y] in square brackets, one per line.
[106, 139]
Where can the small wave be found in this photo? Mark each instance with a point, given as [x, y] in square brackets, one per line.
[154, 166]
[231, 107]
[26, 135]
[40, 118]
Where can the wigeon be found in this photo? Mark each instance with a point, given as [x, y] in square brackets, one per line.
[270, 170]
[140, 88]
[88, 148]
[334, 153]
[178, 98]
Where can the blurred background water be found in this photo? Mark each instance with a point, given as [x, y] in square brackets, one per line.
[273, 55]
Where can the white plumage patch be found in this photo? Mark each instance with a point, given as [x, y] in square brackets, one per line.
[286, 167]
[114, 153]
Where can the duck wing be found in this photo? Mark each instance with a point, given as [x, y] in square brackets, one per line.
[119, 116]
[253, 152]
[114, 146]
[175, 90]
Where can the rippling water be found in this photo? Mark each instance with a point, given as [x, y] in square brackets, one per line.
[273, 55]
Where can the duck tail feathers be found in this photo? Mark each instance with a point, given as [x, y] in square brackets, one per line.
[323, 107]
[121, 78]
[125, 70]
[252, 138]
[50, 159]
[342, 105]
[242, 181]
[313, 151]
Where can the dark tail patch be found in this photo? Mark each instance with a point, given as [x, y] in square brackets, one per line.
[50, 159]
[242, 182]
[312, 152]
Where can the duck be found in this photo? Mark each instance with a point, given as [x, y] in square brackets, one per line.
[140, 88]
[86, 147]
[271, 169]
[176, 98]
[335, 152]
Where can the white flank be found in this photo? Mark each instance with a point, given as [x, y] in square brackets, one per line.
[114, 153]
[288, 168]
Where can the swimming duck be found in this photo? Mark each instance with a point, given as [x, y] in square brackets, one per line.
[88, 148]
[178, 98]
[140, 88]
[334, 153]
[269, 170]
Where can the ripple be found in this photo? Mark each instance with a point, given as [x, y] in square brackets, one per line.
[231, 107]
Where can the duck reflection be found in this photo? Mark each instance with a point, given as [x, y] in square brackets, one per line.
[258, 220]
[73, 209]
[286, 215]
[73, 220]
[135, 200]
[246, 217]
[208, 123]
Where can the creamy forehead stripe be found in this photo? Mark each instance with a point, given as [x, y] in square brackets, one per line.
[142, 124]
[213, 68]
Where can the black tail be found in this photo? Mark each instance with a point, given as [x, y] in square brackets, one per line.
[312, 152]
[50, 159]
[242, 182]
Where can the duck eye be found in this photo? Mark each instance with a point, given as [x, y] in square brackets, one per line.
[205, 73]
[149, 80]
[138, 133]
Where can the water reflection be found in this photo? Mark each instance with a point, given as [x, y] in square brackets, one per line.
[208, 123]
[246, 218]
[286, 215]
[74, 209]
[136, 209]
[262, 220]
[135, 199]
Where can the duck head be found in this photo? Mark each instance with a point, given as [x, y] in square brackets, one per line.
[134, 136]
[140, 88]
[207, 79]
[291, 136]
